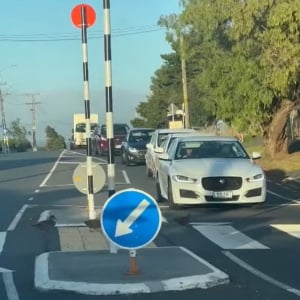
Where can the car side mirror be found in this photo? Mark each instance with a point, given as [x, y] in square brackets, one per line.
[164, 156]
[256, 155]
[159, 150]
[149, 146]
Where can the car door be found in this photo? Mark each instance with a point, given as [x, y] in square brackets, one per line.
[124, 145]
[163, 169]
[150, 151]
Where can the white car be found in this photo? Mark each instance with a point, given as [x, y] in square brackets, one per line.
[158, 137]
[202, 169]
[166, 144]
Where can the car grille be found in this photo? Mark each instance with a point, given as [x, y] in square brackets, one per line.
[212, 199]
[142, 153]
[221, 183]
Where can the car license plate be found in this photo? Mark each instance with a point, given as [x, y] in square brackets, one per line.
[118, 146]
[222, 194]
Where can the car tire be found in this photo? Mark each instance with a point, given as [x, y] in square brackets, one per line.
[170, 196]
[159, 196]
[96, 151]
[126, 160]
[123, 159]
[148, 172]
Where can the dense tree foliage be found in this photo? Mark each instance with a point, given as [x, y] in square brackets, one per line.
[243, 63]
[18, 136]
[54, 140]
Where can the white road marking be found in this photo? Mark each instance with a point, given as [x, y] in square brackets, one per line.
[126, 177]
[30, 199]
[260, 274]
[2, 240]
[281, 196]
[291, 229]
[70, 162]
[17, 218]
[59, 185]
[227, 237]
[73, 152]
[11, 291]
[52, 170]
[37, 191]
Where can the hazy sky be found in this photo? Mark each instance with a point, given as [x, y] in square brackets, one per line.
[41, 53]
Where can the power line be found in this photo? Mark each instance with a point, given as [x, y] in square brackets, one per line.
[70, 36]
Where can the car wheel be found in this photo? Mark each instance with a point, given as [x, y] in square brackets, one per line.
[158, 190]
[170, 196]
[100, 152]
[96, 151]
[148, 172]
[123, 159]
[126, 160]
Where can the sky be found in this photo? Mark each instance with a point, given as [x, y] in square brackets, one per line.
[41, 54]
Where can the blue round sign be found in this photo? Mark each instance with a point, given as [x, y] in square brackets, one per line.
[131, 219]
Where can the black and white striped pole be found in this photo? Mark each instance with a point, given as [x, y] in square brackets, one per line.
[87, 18]
[108, 98]
[109, 106]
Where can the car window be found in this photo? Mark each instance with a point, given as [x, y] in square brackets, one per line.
[210, 149]
[161, 138]
[119, 129]
[140, 136]
[80, 127]
[171, 140]
[152, 141]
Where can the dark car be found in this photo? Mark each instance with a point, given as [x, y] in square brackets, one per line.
[133, 149]
[120, 132]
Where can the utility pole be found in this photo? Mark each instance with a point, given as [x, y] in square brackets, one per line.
[184, 84]
[33, 103]
[5, 147]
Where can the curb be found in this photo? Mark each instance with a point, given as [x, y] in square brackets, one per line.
[43, 282]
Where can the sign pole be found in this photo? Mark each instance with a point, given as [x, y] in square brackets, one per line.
[90, 194]
[133, 268]
[83, 16]
[109, 105]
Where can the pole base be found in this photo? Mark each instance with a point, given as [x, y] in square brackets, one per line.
[133, 268]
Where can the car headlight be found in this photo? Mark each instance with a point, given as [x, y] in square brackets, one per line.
[257, 177]
[181, 178]
[131, 149]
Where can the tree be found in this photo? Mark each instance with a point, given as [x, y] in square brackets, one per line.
[54, 141]
[250, 62]
[18, 136]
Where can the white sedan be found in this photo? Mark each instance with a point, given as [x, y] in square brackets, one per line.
[201, 170]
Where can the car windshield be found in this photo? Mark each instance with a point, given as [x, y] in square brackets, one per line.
[210, 149]
[80, 127]
[119, 129]
[140, 136]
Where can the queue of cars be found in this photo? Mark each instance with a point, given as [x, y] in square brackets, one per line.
[192, 168]
[99, 141]
[154, 147]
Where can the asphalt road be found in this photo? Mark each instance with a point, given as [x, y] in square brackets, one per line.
[260, 252]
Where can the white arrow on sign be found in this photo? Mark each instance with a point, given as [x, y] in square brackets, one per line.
[123, 227]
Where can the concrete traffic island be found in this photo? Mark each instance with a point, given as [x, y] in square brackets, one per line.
[103, 273]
